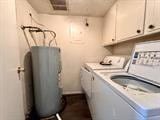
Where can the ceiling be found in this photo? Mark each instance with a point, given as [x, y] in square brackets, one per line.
[96, 8]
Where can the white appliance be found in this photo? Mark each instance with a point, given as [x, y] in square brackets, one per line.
[135, 95]
[116, 64]
[87, 75]
[109, 62]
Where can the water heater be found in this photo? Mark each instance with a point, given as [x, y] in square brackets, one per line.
[46, 68]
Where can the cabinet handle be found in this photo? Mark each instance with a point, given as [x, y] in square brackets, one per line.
[93, 78]
[113, 40]
[151, 26]
[138, 31]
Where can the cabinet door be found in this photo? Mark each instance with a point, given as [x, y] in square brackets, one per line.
[152, 23]
[130, 18]
[110, 26]
[11, 94]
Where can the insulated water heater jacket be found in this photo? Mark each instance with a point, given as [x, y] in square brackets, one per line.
[46, 67]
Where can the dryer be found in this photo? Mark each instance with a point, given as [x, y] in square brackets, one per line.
[116, 63]
[138, 90]
[108, 63]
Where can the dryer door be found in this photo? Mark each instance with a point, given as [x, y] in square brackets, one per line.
[86, 81]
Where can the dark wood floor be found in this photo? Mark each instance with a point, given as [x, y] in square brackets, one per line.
[76, 108]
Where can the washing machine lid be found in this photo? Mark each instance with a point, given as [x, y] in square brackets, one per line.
[145, 61]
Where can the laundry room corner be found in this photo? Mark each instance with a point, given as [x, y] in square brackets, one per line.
[80, 59]
[75, 54]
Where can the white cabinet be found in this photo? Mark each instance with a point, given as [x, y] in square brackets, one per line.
[130, 19]
[152, 23]
[109, 27]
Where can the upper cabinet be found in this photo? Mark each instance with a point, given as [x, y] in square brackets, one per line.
[152, 23]
[130, 19]
[109, 28]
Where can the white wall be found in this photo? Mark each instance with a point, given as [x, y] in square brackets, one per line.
[126, 48]
[75, 54]
[23, 9]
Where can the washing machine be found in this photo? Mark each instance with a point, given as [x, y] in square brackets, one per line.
[110, 64]
[135, 95]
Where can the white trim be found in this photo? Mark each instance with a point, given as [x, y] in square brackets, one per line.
[72, 92]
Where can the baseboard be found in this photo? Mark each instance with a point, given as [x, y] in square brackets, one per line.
[72, 92]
